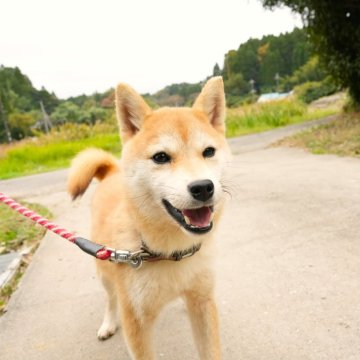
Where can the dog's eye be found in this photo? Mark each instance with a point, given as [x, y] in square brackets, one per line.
[209, 152]
[161, 158]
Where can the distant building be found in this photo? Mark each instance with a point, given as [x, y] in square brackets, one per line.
[273, 96]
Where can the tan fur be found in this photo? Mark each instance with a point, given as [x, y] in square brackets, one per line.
[87, 165]
[127, 209]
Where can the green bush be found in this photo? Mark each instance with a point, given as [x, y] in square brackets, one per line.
[351, 106]
[311, 71]
[313, 90]
[20, 125]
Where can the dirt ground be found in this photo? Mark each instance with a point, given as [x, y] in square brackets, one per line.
[288, 284]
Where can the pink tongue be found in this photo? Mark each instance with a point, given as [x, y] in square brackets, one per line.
[198, 217]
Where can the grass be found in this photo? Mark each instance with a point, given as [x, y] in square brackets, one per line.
[32, 158]
[267, 116]
[340, 137]
[17, 232]
[55, 150]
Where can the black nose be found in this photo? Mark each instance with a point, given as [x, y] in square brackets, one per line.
[202, 189]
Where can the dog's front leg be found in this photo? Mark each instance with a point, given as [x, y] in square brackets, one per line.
[205, 324]
[138, 334]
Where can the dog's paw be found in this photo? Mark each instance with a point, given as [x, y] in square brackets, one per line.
[106, 331]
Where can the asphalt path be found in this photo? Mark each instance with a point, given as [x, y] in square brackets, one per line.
[288, 265]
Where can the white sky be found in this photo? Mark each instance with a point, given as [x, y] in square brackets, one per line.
[82, 46]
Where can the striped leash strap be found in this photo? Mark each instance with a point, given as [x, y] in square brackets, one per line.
[99, 251]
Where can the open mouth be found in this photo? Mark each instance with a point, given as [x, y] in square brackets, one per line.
[198, 221]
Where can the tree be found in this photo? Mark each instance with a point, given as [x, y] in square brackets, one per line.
[334, 30]
[21, 94]
[49, 100]
[259, 60]
[216, 70]
[20, 125]
[4, 132]
[71, 112]
[177, 94]
[67, 112]
[311, 71]
[236, 85]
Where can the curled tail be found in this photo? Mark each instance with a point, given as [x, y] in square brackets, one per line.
[85, 166]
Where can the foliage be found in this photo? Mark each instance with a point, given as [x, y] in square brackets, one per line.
[149, 99]
[16, 230]
[16, 89]
[20, 101]
[236, 85]
[261, 59]
[95, 99]
[56, 149]
[351, 106]
[266, 116]
[257, 59]
[20, 125]
[313, 90]
[334, 30]
[272, 63]
[216, 70]
[21, 111]
[233, 101]
[19, 94]
[69, 111]
[72, 132]
[177, 94]
[310, 71]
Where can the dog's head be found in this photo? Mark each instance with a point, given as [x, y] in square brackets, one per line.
[173, 158]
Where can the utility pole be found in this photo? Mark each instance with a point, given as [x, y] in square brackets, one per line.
[252, 83]
[277, 78]
[47, 122]
[3, 117]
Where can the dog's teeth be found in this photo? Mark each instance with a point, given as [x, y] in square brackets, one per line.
[211, 217]
[187, 220]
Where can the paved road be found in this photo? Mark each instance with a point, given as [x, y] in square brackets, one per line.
[288, 272]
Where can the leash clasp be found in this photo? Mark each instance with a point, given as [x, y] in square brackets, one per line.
[133, 259]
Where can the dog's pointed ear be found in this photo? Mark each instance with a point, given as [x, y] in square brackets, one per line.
[131, 110]
[211, 101]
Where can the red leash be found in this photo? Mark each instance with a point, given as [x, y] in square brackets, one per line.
[99, 251]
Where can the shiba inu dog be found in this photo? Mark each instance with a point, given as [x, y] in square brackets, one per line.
[166, 196]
